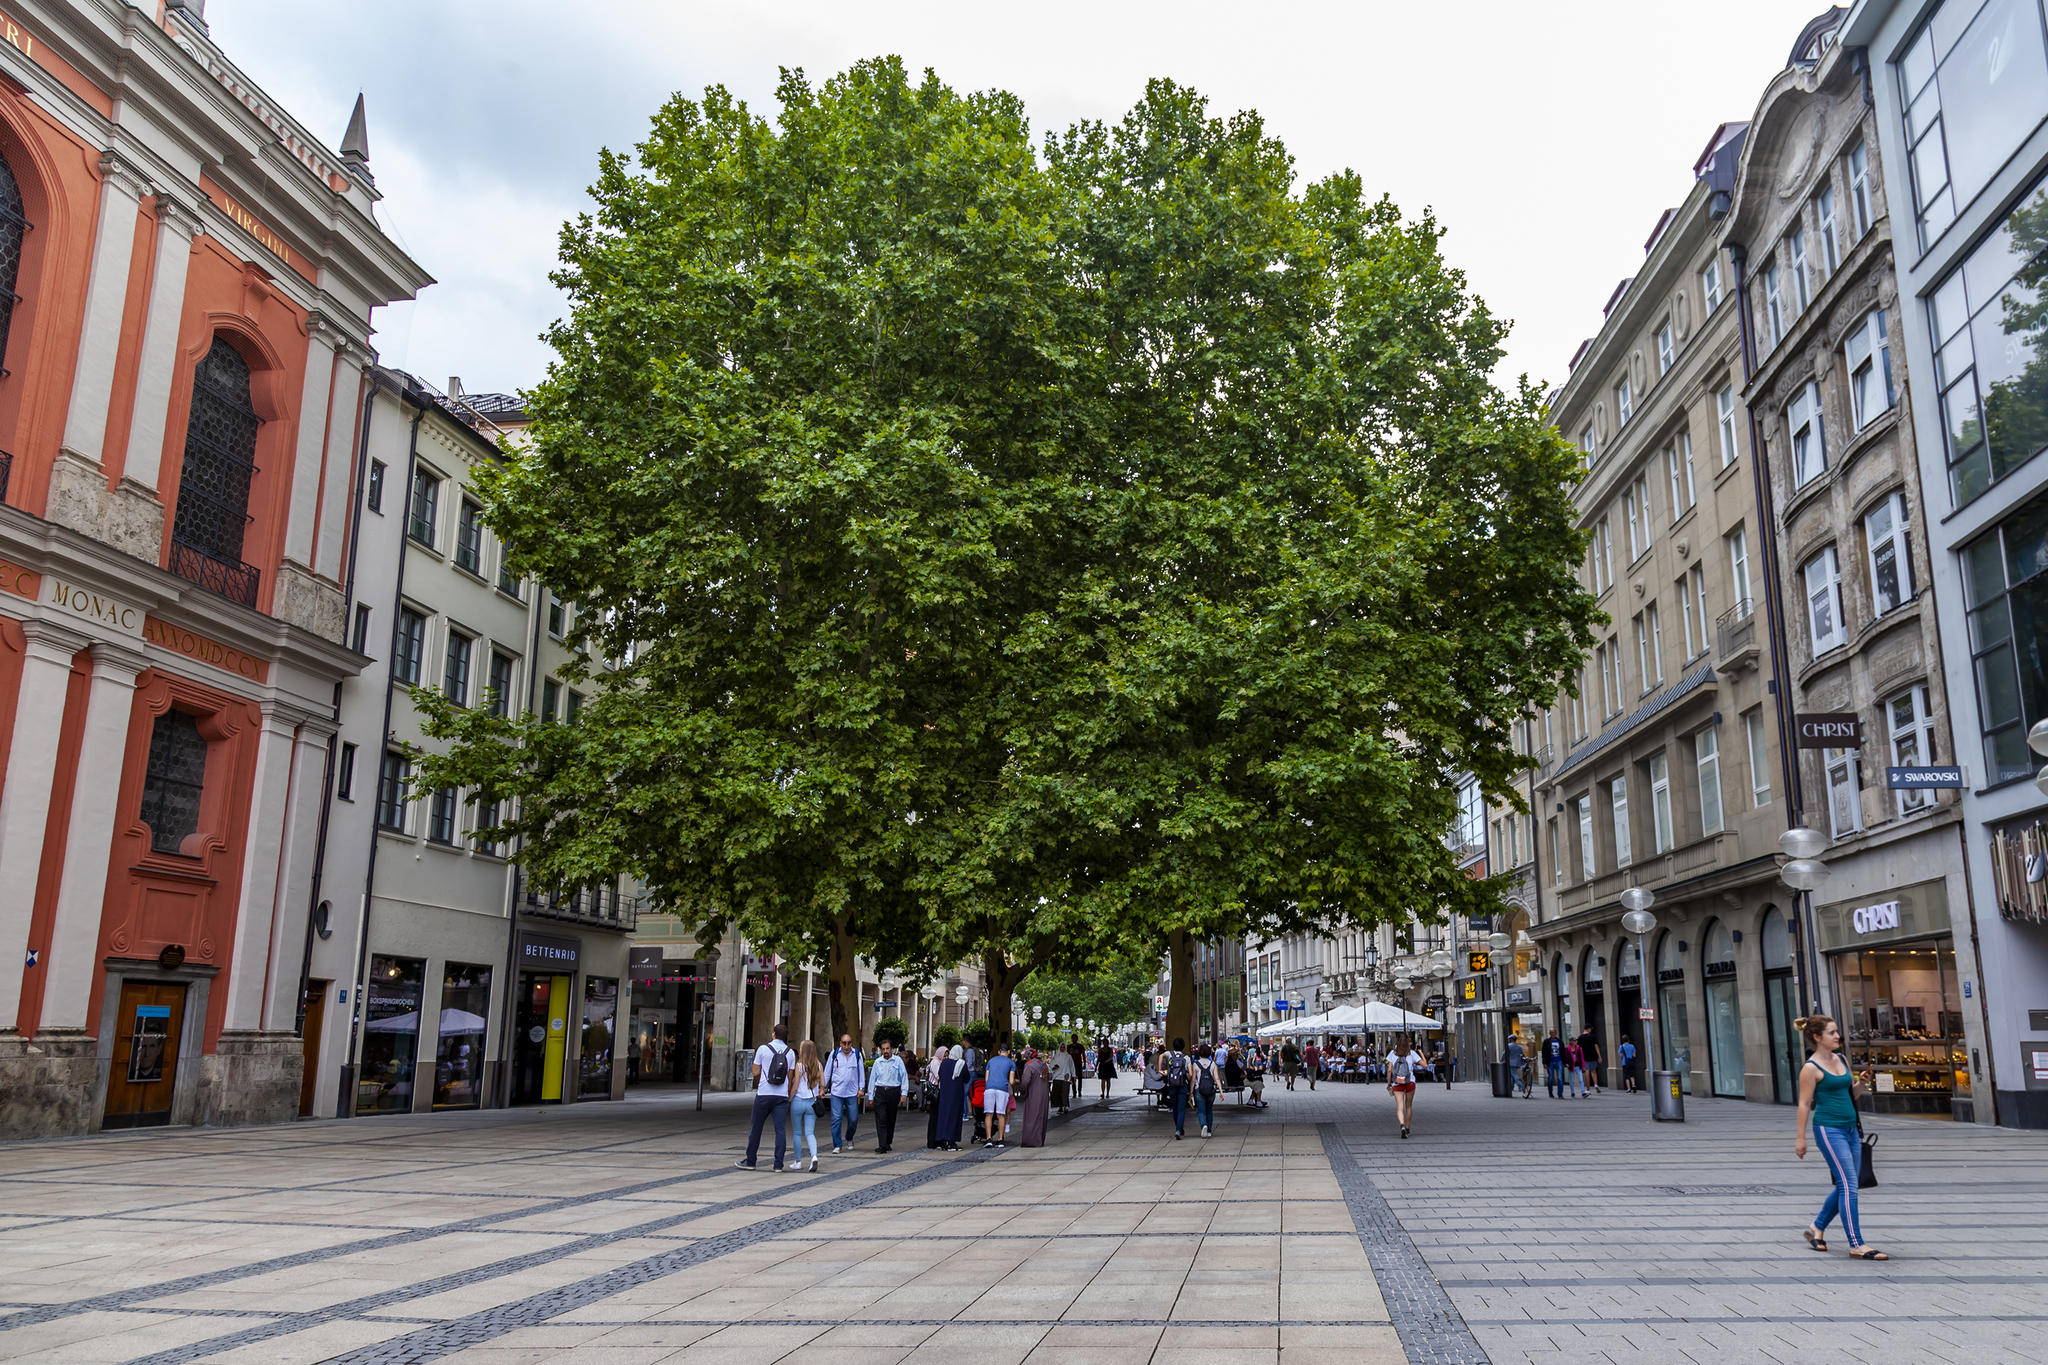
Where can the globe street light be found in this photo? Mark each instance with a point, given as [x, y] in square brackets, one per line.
[1639, 921]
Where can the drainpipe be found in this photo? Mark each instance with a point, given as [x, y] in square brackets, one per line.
[1774, 625]
[412, 456]
[327, 778]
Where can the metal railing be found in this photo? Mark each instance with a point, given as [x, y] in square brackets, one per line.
[604, 906]
[235, 580]
[1737, 629]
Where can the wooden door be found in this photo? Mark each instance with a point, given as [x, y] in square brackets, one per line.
[309, 1039]
[145, 1059]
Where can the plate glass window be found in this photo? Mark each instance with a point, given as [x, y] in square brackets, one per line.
[455, 672]
[1809, 436]
[1891, 558]
[394, 779]
[1678, 463]
[441, 816]
[1988, 319]
[2005, 586]
[1706, 752]
[1665, 352]
[1973, 85]
[375, 494]
[1774, 307]
[469, 537]
[1660, 800]
[465, 1016]
[1797, 249]
[391, 1034]
[1759, 759]
[1869, 351]
[412, 647]
[1710, 285]
[1912, 735]
[425, 507]
[1586, 864]
[1724, 409]
[1738, 569]
[1824, 602]
[1617, 796]
[174, 781]
[501, 683]
[1623, 404]
[1824, 212]
[345, 774]
[1845, 797]
[1859, 188]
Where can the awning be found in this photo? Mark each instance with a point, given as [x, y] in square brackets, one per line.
[1381, 1018]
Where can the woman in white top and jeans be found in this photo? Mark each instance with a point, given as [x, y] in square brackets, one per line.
[1402, 1065]
[803, 1105]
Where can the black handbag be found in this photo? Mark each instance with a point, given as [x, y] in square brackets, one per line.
[1866, 1175]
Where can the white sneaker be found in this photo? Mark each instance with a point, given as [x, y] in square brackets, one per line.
[835, 1151]
[1205, 1132]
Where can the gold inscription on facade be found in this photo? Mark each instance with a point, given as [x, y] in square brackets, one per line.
[196, 646]
[95, 607]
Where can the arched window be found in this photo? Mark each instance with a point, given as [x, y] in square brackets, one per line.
[213, 492]
[14, 226]
[1724, 1017]
[1781, 1003]
[1564, 997]
[1777, 944]
[1674, 1035]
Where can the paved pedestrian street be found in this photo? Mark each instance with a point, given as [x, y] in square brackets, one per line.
[1504, 1230]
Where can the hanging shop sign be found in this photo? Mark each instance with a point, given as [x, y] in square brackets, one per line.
[1916, 779]
[1519, 997]
[1829, 729]
[550, 952]
[1478, 962]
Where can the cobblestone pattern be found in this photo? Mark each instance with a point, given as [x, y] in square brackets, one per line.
[1431, 1329]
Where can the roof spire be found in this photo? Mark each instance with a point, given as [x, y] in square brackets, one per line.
[355, 143]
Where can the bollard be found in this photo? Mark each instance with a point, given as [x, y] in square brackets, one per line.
[1667, 1100]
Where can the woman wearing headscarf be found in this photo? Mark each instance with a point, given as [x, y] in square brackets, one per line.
[952, 1098]
[1034, 1100]
[931, 1075]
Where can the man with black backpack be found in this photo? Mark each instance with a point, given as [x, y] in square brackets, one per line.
[774, 1083]
[1174, 1071]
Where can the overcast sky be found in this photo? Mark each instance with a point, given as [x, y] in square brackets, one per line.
[1547, 137]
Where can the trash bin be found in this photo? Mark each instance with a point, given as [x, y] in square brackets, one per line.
[1503, 1081]
[1667, 1101]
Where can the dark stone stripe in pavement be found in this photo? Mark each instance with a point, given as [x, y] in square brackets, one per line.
[1766, 1277]
[1862, 1319]
[1431, 1330]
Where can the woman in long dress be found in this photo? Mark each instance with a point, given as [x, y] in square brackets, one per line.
[1105, 1067]
[931, 1120]
[1034, 1101]
[952, 1098]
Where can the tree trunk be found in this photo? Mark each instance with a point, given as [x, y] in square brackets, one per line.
[842, 982]
[1180, 991]
[1003, 980]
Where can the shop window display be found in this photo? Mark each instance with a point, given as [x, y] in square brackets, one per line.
[600, 1016]
[459, 1055]
[1724, 1017]
[391, 1034]
[1673, 1033]
[1903, 1016]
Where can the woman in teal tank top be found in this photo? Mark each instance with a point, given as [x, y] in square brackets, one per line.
[1827, 1094]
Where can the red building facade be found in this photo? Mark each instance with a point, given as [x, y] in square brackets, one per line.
[182, 377]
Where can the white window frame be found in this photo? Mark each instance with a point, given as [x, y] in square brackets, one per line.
[1912, 740]
[1685, 612]
[1774, 310]
[1605, 557]
[1796, 250]
[1586, 862]
[1706, 752]
[1807, 426]
[1556, 856]
[1868, 351]
[1738, 566]
[1678, 463]
[1844, 769]
[1822, 577]
[1824, 212]
[1699, 593]
[1859, 188]
[1642, 650]
[1579, 707]
[1710, 284]
[1724, 412]
[1660, 801]
[1666, 354]
[1624, 405]
[1887, 538]
[1656, 646]
[1633, 516]
[1607, 690]
[1587, 445]
[1759, 759]
[1617, 797]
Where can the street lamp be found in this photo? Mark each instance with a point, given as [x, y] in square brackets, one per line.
[1806, 874]
[2037, 740]
[707, 959]
[1639, 921]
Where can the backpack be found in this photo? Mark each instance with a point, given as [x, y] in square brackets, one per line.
[1208, 1082]
[778, 1065]
[1176, 1069]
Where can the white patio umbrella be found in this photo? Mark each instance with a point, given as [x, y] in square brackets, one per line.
[1380, 1018]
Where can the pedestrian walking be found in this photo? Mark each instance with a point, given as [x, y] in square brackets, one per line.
[1290, 1061]
[1034, 1103]
[1105, 1067]
[1627, 1053]
[1575, 1070]
[1589, 1048]
[1553, 1066]
[952, 1106]
[887, 1082]
[1312, 1061]
[1208, 1080]
[1828, 1093]
[844, 1081]
[774, 1083]
[1060, 1067]
[803, 1105]
[995, 1095]
[1514, 1059]
[1402, 1064]
[1174, 1073]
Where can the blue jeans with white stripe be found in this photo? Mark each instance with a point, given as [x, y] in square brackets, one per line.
[1841, 1148]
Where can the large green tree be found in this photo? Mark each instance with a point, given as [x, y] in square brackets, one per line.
[1017, 556]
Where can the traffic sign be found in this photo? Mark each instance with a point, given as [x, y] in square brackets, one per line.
[1646, 1013]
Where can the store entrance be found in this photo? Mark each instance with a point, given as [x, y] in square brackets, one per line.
[1782, 1007]
[145, 1064]
[1596, 1020]
[1629, 1028]
[540, 1038]
[1904, 1020]
[309, 1042]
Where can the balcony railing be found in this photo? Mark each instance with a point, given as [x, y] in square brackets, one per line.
[1737, 631]
[605, 907]
[234, 580]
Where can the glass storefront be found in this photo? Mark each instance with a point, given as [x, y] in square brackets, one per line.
[1673, 1035]
[1901, 1005]
[1781, 1006]
[391, 1034]
[1724, 1016]
[539, 1037]
[600, 1018]
[459, 1054]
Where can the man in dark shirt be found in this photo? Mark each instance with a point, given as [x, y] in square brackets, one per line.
[1553, 1065]
[1589, 1044]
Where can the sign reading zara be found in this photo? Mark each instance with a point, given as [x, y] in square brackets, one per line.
[1829, 730]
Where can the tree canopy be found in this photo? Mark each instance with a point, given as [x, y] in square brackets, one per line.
[1015, 552]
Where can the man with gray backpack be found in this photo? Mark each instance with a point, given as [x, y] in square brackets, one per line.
[1175, 1072]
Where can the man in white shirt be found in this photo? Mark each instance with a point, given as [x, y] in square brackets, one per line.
[774, 1083]
[845, 1080]
[886, 1083]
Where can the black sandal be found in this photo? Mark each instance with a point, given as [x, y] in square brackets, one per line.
[1867, 1254]
[1815, 1240]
